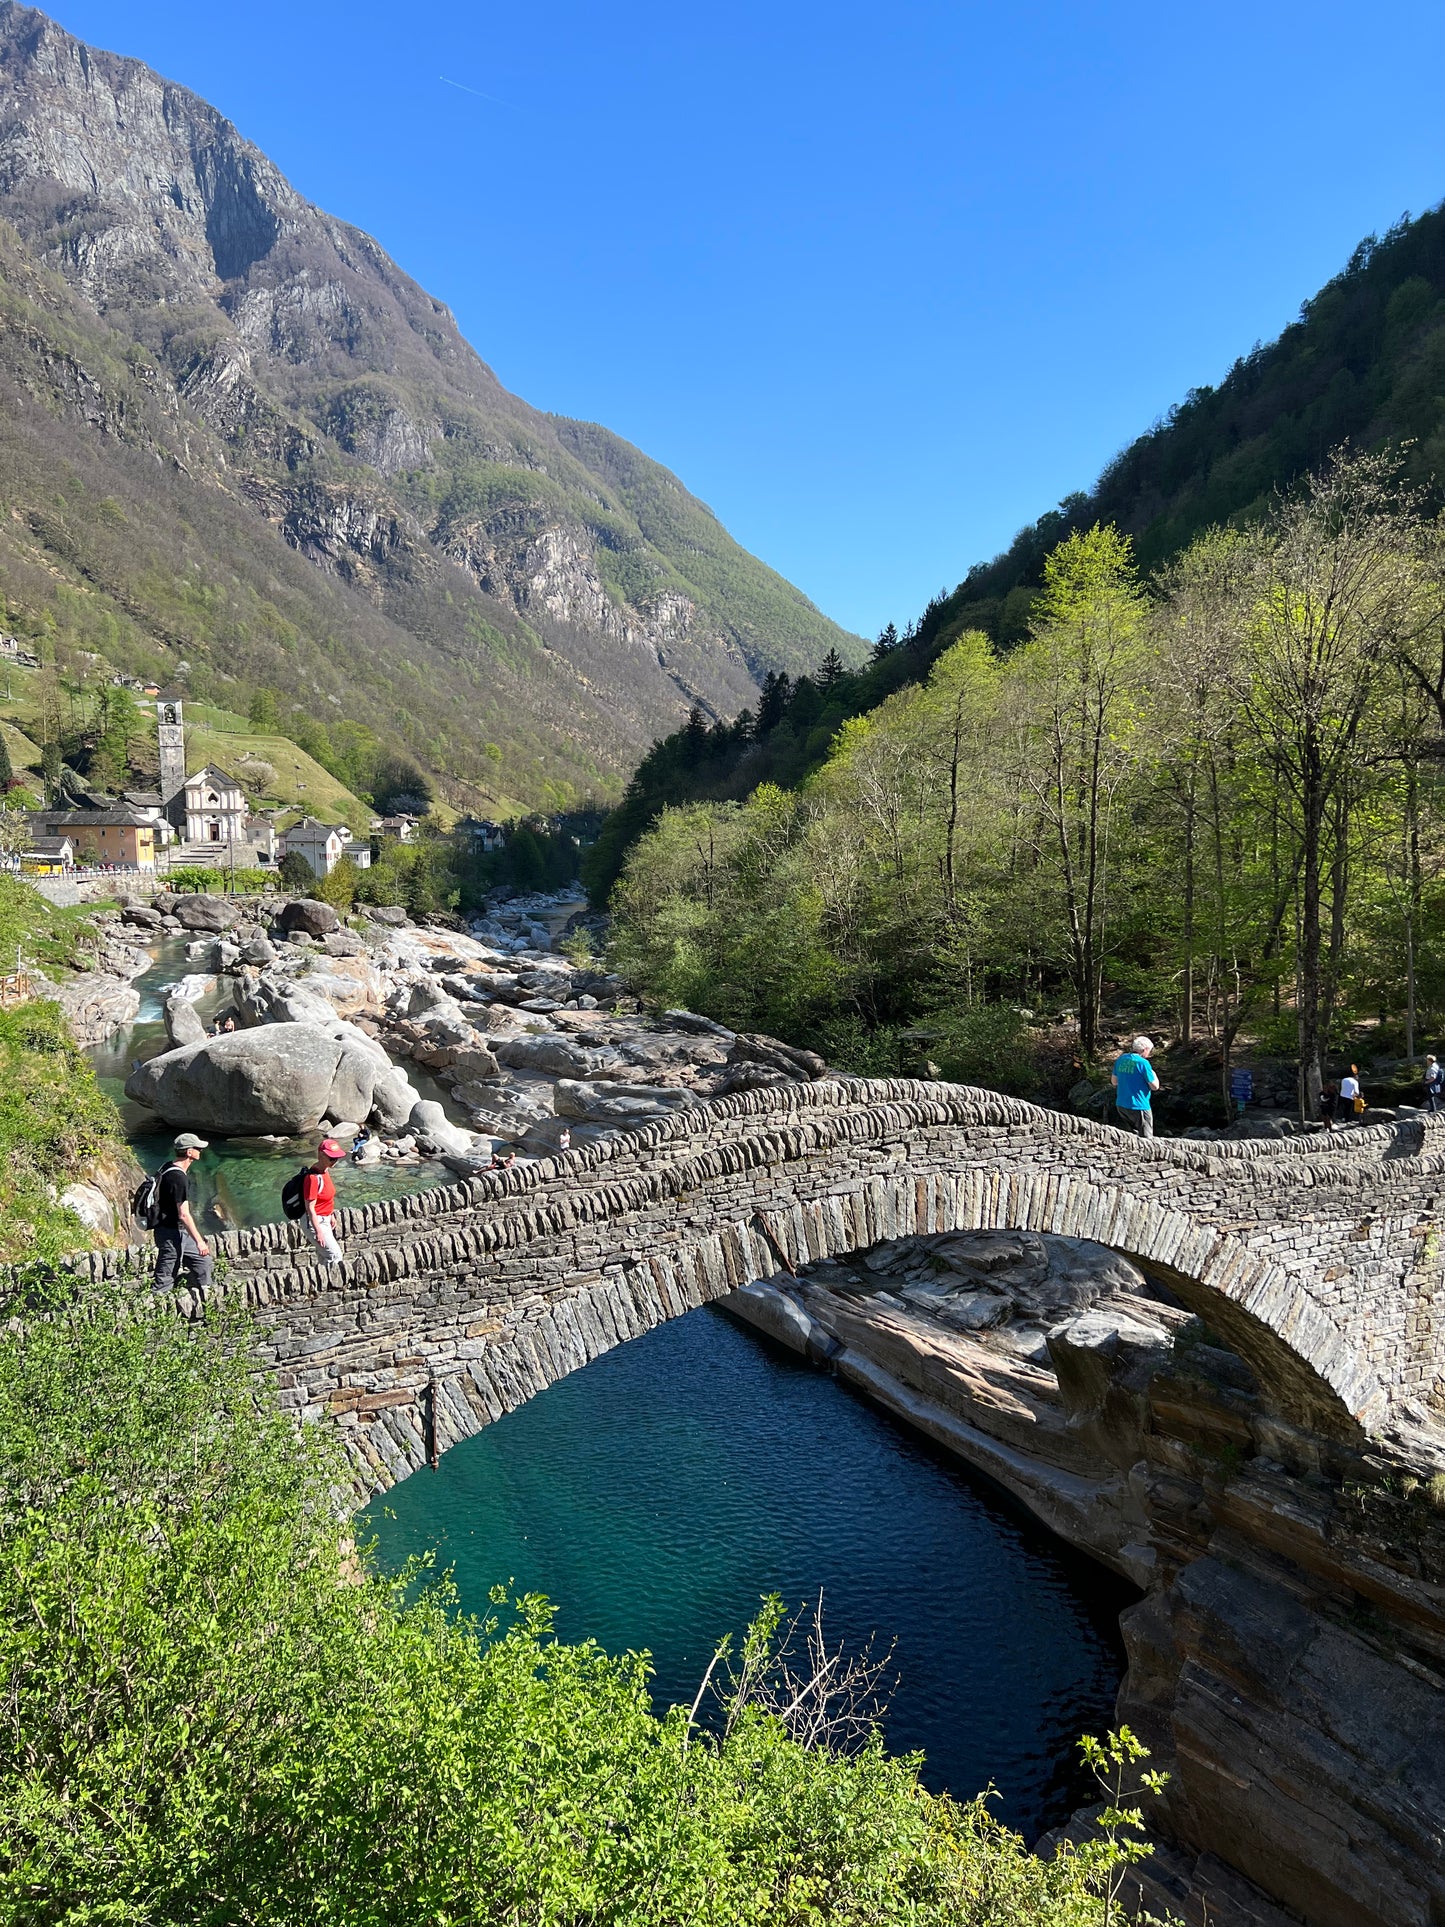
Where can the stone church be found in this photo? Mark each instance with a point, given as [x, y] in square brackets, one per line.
[208, 808]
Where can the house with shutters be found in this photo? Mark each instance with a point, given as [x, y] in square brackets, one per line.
[115, 839]
[321, 844]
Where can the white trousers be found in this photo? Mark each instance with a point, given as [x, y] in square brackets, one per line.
[326, 1240]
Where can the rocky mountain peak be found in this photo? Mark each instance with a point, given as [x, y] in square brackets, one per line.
[319, 386]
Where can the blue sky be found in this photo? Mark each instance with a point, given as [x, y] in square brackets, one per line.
[880, 284]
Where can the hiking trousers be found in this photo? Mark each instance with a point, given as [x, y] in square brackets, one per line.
[1141, 1123]
[176, 1250]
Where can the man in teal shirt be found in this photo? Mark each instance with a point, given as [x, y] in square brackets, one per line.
[1134, 1080]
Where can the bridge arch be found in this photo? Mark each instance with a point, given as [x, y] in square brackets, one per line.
[454, 1306]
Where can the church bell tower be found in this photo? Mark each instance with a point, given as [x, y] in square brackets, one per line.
[171, 738]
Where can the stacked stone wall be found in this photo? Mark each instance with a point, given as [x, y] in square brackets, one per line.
[1320, 1262]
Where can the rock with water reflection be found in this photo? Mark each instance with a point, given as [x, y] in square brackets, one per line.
[277, 1078]
[182, 1021]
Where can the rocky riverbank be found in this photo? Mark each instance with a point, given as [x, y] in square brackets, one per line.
[1287, 1659]
[533, 1051]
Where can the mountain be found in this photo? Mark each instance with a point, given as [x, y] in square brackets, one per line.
[1364, 364]
[234, 436]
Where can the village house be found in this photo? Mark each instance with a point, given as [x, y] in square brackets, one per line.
[120, 838]
[147, 803]
[48, 856]
[480, 833]
[324, 844]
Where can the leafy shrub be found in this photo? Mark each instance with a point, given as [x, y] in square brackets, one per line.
[295, 872]
[338, 888]
[987, 1044]
[54, 1120]
[212, 1717]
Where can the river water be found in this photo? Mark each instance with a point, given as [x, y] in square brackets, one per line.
[659, 1493]
[239, 1180]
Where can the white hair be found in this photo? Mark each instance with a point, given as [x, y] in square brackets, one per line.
[1143, 1045]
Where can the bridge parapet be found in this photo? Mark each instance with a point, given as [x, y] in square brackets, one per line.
[1319, 1261]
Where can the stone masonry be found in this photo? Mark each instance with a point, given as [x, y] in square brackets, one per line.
[1319, 1262]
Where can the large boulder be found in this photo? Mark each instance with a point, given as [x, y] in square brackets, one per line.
[555, 1056]
[141, 916]
[620, 1103]
[343, 943]
[183, 1022]
[390, 914]
[259, 951]
[435, 1133]
[95, 1005]
[505, 1110]
[425, 996]
[347, 984]
[393, 1099]
[309, 916]
[773, 1054]
[279, 1078]
[211, 914]
[299, 1004]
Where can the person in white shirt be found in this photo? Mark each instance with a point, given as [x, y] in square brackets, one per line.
[1350, 1090]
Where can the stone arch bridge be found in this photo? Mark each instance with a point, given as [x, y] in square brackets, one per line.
[1318, 1260]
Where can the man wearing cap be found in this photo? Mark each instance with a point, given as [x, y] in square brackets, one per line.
[1134, 1080]
[319, 1194]
[179, 1245]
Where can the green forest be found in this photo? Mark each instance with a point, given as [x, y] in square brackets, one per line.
[1364, 366]
[1207, 802]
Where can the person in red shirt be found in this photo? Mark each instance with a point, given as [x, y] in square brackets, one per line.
[319, 1194]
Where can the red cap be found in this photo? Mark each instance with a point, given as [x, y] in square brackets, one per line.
[329, 1148]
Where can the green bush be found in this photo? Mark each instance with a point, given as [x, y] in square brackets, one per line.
[54, 1122]
[296, 873]
[987, 1044]
[211, 1717]
[338, 887]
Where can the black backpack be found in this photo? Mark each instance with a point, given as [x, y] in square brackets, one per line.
[145, 1205]
[293, 1196]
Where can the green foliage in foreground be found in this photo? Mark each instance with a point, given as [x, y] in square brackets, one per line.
[54, 1122]
[208, 1720]
[38, 932]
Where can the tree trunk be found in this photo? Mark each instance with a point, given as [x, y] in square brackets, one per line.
[1186, 1013]
[1307, 967]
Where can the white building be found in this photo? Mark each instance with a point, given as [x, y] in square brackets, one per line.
[210, 808]
[323, 845]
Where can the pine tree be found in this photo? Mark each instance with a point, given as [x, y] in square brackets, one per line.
[7, 774]
[887, 640]
[776, 693]
[695, 735]
[829, 670]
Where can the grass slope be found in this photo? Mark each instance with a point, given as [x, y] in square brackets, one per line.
[301, 787]
[54, 1121]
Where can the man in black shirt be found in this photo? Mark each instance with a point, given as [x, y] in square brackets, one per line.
[179, 1245]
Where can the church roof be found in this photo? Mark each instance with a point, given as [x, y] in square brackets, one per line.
[217, 778]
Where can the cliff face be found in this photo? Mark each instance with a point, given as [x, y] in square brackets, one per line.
[296, 371]
[1287, 1659]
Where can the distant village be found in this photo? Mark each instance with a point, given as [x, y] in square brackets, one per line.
[195, 817]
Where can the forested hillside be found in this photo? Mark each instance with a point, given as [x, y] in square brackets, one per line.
[1364, 364]
[1207, 805]
[239, 449]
